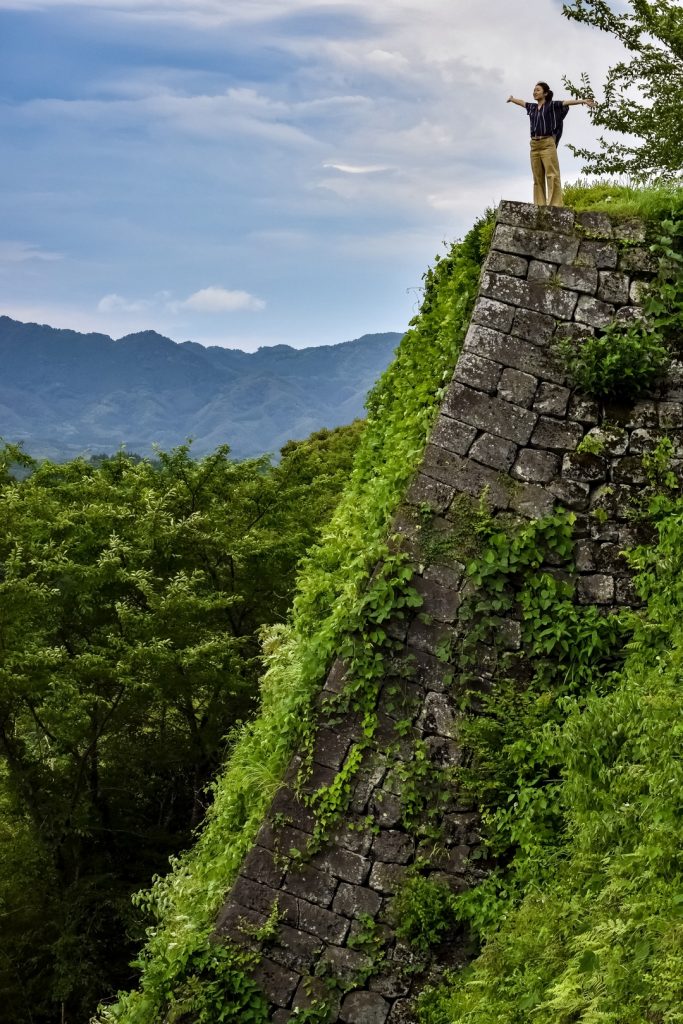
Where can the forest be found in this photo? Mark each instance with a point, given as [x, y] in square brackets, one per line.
[132, 601]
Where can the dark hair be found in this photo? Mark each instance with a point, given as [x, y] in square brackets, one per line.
[547, 90]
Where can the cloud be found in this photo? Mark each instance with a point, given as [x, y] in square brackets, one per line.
[213, 299]
[218, 300]
[114, 303]
[24, 252]
[356, 169]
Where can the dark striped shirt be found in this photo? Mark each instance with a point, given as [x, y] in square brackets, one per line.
[547, 120]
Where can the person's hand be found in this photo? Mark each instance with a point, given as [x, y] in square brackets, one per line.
[510, 98]
[589, 103]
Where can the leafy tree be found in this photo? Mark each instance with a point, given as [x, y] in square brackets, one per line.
[652, 31]
[131, 596]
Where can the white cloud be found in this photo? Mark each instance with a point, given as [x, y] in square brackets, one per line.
[24, 252]
[114, 303]
[357, 169]
[218, 300]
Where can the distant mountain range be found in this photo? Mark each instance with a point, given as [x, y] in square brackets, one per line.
[65, 394]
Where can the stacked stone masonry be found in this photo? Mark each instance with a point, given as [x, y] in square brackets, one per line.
[509, 426]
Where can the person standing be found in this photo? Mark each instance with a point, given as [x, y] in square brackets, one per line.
[546, 116]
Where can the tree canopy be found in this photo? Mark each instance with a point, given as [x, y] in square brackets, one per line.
[131, 598]
[643, 95]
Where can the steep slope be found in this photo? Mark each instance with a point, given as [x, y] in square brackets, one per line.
[65, 393]
[499, 610]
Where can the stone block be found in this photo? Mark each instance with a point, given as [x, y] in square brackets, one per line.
[584, 467]
[629, 470]
[527, 215]
[441, 464]
[531, 500]
[551, 399]
[517, 386]
[596, 588]
[331, 746]
[367, 780]
[295, 949]
[336, 678]
[539, 271]
[343, 864]
[515, 353]
[437, 716]
[282, 838]
[393, 847]
[584, 555]
[535, 467]
[557, 434]
[281, 1017]
[541, 298]
[258, 897]
[573, 332]
[277, 983]
[328, 925]
[439, 602]
[671, 415]
[316, 886]
[445, 575]
[387, 809]
[386, 878]
[311, 994]
[474, 479]
[610, 559]
[364, 1008]
[428, 636]
[627, 314]
[452, 435]
[638, 260]
[478, 372]
[493, 451]
[261, 866]
[593, 312]
[390, 985]
[613, 287]
[512, 211]
[239, 924]
[355, 900]
[612, 440]
[570, 493]
[320, 776]
[496, 315]
[490, 414]
[644, 414]
[625, 591]
[433, 493]
[504, 263]
[593, 253]
[629, 230]
[534, 327]
[596, 224]
[454, 860]
[343, 964]
[584, 410]
[580, 279]
[637, 292]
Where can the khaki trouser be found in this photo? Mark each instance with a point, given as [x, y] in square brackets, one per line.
[545, 167]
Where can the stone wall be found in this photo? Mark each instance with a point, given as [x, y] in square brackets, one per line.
[509, 426]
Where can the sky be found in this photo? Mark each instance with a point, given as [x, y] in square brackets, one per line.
[259, 172]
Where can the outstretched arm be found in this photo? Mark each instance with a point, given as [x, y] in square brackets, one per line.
[578, 103]
[520, 103]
